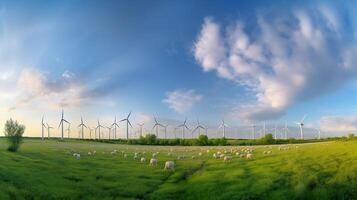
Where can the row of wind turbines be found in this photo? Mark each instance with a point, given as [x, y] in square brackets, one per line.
[112, 129]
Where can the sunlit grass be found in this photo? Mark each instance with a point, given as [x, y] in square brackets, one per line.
[48, 170]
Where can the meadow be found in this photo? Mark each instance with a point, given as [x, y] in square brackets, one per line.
[48, 170]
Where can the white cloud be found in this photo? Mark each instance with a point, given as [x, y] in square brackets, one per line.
[286, 60]
[341, 124]
[182, 100]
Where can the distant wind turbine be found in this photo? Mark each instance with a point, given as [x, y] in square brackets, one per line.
[253, 130]
[141, 128]
[156, 126]
[301, 125]
[68, 130]
[48, 130]
[165, 128]
[183, 126]
[61, 124]
[127, 125]
[223, 126]
[199, 127]
[109, 130]
[115, 127]
[98, 128]
[82, 125]
[43, 126]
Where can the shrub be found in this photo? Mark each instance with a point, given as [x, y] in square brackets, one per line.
[268, 139]
[202, 140]
[13, 132]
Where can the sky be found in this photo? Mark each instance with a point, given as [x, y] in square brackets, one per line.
[242, 61]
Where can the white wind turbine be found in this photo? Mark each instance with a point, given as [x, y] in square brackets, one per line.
[165, 129]
[141, 128]
[61, 124]
[115, 127]
[199, 127]
[109, 130]
[82, 125]
[253, 130]
[43, 126]
[48, 130]
[90, 133]
[301, 125]
[127, 125]
[223, 126]
[183, 126]
[68, 130]
[156, 126]
[98, 128]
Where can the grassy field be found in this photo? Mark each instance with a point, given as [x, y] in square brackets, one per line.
[48, 170]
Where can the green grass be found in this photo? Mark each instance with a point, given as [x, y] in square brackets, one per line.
[48, 170]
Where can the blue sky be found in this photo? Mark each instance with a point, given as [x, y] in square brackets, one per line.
[243, 61]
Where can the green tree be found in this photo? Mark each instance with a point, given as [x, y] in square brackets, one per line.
[202, 140]
[351, 136]
[268, 139]
[13, 132]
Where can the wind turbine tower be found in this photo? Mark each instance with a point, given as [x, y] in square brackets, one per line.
[61, 124]
[127, 125]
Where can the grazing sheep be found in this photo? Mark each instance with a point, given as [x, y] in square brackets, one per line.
[249, 156]
[135, 157]
[143, 160]
[170, 165]
[227, 158]
[153, 162]
[207, 151]
[89, 153]
[242, 155]
[125, 156]
[154, 155]
[215, 156]
[200, 154]
[221, 156]
[77, 156]
[94, 152]
[237, 154]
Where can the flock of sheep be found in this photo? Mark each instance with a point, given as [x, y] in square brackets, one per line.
[180, 153]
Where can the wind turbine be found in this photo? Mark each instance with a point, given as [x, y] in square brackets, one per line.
[68, 130]
[82, 125]
[156, 126]
[141, 128]
[48, 130]
[175, 131]
[301, 124]
[165, 128]
[43, 126]
[98, 127]
[127, 125]
[90, 133]
[319, 133]
[184, 126]
[109, 130]
[61, 124]
[199, 127]
[223, 126]
[253, 130]
[115, 127]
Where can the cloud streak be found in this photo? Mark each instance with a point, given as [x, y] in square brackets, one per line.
[182, 100]
[286, 60]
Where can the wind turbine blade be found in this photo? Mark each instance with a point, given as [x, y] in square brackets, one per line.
[130, 124]
[60, 123]
[85, 125]
[122, 120]
[302, 120]
[129, 115]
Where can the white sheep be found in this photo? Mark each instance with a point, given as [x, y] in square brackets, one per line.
[153, 162]
[227, 158]
[125, 156]
[143, 160]
[200, 154]
[77, 156]
[135, 157]
[215, 156]
[249, 156]
[154, 155]
[170, 165]
[89, 153]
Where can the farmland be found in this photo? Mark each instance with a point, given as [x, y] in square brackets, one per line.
[48, 170]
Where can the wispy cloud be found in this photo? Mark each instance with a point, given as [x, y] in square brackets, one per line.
[341, 124]
[285, 60]
[182, 100]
